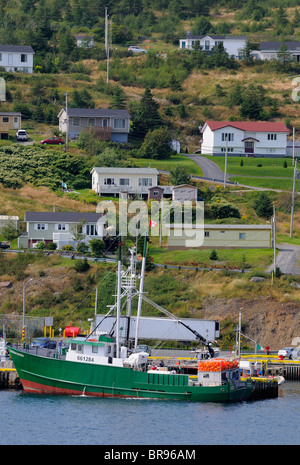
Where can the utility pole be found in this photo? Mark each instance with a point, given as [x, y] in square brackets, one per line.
[225, 171]
[106, 45]
[67, 121]
[293, 146]
[274, 236]
[293, 198]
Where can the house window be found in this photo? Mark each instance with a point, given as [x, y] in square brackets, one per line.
[207, 45]
[91, 121]
[206, 233]
[104, 122]
[124, 182]
[109, 181]
[40, 226]
[76, 121]
[229, 149]
[242, 235]
[155, 193]
[61, 227]
[272, 136]
[145, 182]
[222, 232]
[23, 58]
[5, 119]
[0, 56]
[227, 135]
[91, 230]
[119, 123]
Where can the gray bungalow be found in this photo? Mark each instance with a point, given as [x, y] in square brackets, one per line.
[110, 125]
[59, 227]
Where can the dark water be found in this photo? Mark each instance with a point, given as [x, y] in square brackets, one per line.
[59, 420]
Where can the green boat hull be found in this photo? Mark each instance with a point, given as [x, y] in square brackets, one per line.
[44, 375]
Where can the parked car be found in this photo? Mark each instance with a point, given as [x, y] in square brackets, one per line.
[4, 245]
[21, 135]
[53, 140]
[136, 49]
[43, 343]
[286, 352]
[143, 348]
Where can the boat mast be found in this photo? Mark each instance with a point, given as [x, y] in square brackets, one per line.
[118, 304]
[141, 292]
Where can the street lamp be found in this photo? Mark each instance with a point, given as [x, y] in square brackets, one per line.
[23, 326]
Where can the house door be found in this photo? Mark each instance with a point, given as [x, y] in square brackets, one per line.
[10, 58]
[16, 124]
[249, 146]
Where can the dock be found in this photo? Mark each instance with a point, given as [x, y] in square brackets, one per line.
[8, 376]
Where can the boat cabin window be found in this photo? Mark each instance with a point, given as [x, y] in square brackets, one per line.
[95, 349]
[73, 346]
[108, 349]
[79, 348]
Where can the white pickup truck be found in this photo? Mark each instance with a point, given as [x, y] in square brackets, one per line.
[21, 135]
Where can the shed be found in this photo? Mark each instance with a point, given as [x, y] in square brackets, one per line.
[156, 193]
[184, 192]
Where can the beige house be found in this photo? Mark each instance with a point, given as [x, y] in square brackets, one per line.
[220, 236]
[130, 181]
[9, 120]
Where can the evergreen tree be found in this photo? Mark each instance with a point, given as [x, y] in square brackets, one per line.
[263, 205]
[147, 116]
[118, 99]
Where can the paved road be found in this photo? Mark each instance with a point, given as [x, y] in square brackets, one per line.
[210, 169]
[287, 259]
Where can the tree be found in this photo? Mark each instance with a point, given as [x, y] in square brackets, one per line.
[118, 99]
[203, 26]
[263, 205]
[284, 56]
[179, 176]
[147, 116]
[97, 246]
[157, 144]
[10, 232]
[252, 104]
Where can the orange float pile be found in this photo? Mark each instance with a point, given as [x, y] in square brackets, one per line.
[217, 364]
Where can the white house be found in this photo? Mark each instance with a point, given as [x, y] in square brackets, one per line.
[17, 58]
[244, 138]
[130, 181]
[269, 50]
[233, 45]
[85, 40]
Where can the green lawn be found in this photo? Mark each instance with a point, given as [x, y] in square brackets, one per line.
[271, 175]
[239, 258]
[166, 165]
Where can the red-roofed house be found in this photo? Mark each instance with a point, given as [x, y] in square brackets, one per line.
[250, 138]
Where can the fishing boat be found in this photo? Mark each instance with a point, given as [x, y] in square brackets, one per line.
[101, 364]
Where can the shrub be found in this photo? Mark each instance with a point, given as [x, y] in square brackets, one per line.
[97, 247]
[52, 246]
[67, 247]
[82, 265]
[82, 247]
[213, 255]
[41, 245]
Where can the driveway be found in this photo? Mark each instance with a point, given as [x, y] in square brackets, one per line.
[287, 259]
[210, 169]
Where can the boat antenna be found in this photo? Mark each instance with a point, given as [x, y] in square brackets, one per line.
[141, 291]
